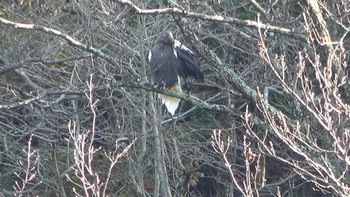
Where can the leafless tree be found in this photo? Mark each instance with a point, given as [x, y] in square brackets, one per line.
[80, 116]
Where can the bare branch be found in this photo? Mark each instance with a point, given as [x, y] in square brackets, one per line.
[71, 41]
[216, 18]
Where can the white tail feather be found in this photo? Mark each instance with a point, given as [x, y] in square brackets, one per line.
[171, 103]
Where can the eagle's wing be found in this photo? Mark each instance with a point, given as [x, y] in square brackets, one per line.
[189, 63]
[164, 66]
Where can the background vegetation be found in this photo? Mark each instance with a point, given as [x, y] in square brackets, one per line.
[78, 116]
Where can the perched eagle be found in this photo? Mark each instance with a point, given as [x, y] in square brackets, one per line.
[169, 60]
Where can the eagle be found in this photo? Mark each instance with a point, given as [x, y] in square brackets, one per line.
[169, 60]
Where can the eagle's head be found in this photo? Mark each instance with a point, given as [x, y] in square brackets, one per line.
[166, 38]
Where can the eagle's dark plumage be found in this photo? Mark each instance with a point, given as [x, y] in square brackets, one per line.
[169, 60]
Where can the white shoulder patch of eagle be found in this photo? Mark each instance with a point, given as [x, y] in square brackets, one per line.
[169, 60]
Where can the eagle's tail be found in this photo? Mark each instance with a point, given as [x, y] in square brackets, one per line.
[171, 103]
